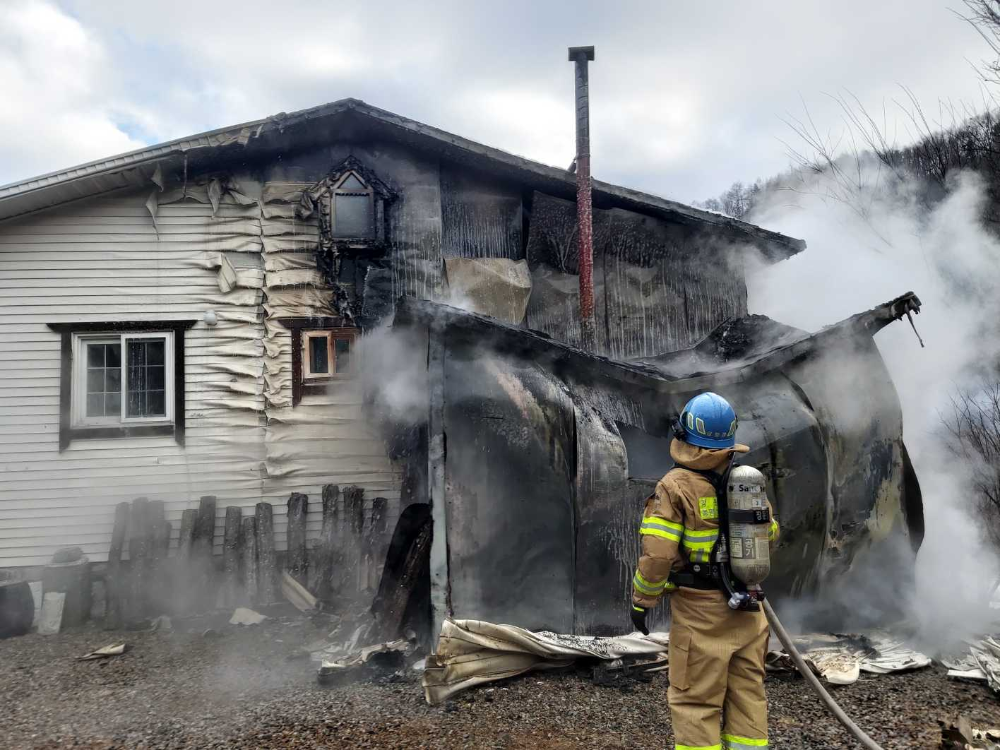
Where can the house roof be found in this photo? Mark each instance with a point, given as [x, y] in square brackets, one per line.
[345, 119]
[705, 366]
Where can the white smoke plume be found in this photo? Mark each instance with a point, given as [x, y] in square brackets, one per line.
[393, 366]
[867, 245]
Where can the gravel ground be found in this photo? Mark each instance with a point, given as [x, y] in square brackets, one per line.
[241, 687]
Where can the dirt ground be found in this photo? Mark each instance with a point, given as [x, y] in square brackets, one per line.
[243, 687]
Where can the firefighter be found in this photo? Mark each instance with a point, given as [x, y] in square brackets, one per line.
[716, 653]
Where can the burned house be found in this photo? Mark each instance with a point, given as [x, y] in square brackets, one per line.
[184, 321]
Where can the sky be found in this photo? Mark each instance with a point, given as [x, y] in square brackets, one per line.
[686, 97]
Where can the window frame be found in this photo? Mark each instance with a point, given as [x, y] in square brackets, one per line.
[78, 399]
[307, 373]
[302, 329]
[368, 191]
[70, 429]
[332, 336]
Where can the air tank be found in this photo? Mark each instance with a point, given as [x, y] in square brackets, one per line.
[748, 543]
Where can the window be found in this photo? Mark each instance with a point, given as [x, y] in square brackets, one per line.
[353, 214]
[322, 352]
[121, 379]
[327, 354]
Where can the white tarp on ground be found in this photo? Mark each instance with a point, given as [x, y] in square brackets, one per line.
[840, 659]
[980, 662]
[471, 652]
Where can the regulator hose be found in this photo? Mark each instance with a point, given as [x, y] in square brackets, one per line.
[817, 686]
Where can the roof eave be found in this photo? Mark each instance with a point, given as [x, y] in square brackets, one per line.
[84, 180]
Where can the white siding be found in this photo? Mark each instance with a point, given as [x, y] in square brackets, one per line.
[103, 260]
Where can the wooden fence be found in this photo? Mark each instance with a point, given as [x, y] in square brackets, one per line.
[341, 568]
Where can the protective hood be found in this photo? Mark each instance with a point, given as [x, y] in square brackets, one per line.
[703, 459]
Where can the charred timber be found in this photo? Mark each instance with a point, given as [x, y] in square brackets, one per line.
[231, 554]
[323, 583]
[138, 551]
[201, 551]
[249, 552]
[297, 564]
[114, 585]
[266, 573]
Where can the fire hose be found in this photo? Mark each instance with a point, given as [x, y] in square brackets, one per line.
[817, 686]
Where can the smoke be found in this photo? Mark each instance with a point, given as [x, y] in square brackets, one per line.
[393, 365]
[869, 241]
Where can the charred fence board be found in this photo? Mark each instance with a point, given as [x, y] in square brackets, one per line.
[138, 551]
[159, 580]
[249, 544]
[375, 541]
[202, 562]
[182, 594]
[266, 573]
[114, 585]
[297, 563]
[354, 523]
[324, 570]
[185, 539]
[231, 553]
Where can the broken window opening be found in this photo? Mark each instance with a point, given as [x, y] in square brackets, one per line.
[647, 456]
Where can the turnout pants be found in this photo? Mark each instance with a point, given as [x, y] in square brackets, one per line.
[716, 669]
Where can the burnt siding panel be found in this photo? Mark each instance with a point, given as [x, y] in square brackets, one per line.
[657, 286]
[480, 218]
[606, 540]
[328, 437]
[510, 533]
[414, 218]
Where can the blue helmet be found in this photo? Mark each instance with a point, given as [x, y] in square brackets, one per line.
[709, 421]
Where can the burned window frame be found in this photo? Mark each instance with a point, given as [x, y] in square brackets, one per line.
[319, 202]
[302, 329]
[73, 337]
[338, 190]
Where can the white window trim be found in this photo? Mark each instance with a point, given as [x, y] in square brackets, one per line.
[331, 336]
[307, 373]
[79, 379]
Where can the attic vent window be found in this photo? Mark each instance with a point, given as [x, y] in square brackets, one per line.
[353, 214]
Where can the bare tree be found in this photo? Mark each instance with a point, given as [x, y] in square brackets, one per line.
[974, 425]
[984, 17]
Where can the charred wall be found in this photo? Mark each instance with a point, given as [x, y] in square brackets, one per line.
[480, 217]
[657, 286]
[553, 544]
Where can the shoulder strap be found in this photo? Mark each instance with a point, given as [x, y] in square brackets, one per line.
[714, 478]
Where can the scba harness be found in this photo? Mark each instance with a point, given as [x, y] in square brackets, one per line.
[718, 573]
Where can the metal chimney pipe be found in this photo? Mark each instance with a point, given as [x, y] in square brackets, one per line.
[584, 204]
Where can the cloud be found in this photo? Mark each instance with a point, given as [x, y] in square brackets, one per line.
[55, 109]
[686, 98]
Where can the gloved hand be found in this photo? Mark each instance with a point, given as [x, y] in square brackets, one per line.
[639, 619]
